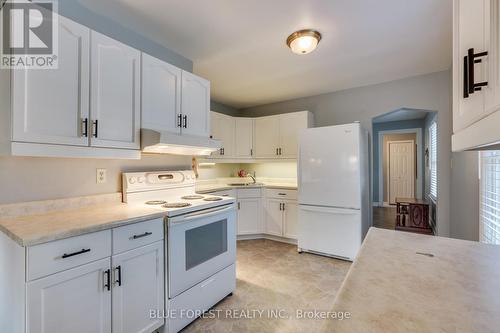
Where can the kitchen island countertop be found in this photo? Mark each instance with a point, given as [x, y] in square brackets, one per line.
[405, 282]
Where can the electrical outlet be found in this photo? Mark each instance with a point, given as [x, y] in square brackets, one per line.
[101, 176]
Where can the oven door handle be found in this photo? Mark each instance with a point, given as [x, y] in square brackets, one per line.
[202, 214]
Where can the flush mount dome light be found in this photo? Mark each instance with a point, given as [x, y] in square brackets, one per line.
[303, 41]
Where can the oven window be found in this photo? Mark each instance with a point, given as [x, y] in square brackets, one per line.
[205, 242]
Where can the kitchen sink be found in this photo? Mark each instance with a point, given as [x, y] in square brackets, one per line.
[245, 184]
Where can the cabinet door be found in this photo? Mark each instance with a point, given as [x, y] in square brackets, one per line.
[290, 126]
[223, 130]
[195, 105]
[243, 137]
[75, 301]
[50, 106]
[290, 219]
[267, 137]
[115, 93]
[161, 95]
[274, 217]
[138, 287]
[249, 216]
[469, 21]
[492, 42]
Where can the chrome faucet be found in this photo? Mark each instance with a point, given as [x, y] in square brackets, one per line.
[253, 177]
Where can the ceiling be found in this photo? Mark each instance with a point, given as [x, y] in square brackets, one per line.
[240, 45]
[401, 114]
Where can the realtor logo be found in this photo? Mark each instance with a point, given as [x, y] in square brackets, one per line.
[29, 34]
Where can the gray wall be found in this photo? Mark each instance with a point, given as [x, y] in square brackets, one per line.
[426, 92]
[74, 10]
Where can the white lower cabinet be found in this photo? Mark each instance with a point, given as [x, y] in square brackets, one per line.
[249, 216]
[101, 291]
[77, 300]
[281, 218]
[138, 288]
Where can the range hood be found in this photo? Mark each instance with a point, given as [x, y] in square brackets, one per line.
[162, 142]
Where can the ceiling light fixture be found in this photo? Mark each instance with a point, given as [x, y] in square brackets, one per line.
[303, 41]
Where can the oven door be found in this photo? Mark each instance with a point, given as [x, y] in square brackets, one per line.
[199, 245]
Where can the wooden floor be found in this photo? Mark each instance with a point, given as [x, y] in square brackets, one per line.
[384, 217]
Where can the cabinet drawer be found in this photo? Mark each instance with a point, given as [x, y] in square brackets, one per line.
[137, 234]
[248, 193]
[57, 256]
[281, 194]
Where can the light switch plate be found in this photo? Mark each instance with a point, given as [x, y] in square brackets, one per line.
[101, 176]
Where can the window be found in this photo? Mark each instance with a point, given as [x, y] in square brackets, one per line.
[489, 205]
[433, 159]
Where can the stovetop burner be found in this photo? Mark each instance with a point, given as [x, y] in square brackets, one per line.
[192, 197]
[213, 199]
[176, 205]
[155, 202]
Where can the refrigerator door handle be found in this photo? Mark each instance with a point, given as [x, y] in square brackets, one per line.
[330, 210]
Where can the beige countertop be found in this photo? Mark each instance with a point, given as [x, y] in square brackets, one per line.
[204, 188]
[41, 227]
[391, 288]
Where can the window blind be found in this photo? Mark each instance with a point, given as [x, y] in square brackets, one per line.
[433, 159]
[489, 210]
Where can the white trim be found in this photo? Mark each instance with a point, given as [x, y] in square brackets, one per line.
[50, 150]
[388, 180]
[418, 132]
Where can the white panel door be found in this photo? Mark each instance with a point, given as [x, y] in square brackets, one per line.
[75, 301]
[401, 171]
[329, 166]
[274, 217]
[115, 93]
[469, 33]
[331, 231]
[290, 125]
[249, 216]
[290, 219]
[195, 105]
[51, 106]
[138, 287]
[161, 95]
[267, 137]
[243, 137]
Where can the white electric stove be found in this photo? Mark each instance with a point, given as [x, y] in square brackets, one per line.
[200, 241]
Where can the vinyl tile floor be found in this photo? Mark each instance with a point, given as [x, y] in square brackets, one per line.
[275, 285]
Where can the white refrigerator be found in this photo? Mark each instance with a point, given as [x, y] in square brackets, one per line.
[334, 190]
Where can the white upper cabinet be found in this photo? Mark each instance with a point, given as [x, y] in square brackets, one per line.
[476, 74]
[52, 106]
[223, 129]
[267, 137]
[195, 105]
[243, 137]
[290, 126]
[161, 95]
[115, 93]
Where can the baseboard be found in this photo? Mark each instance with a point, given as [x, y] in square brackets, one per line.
[270, 237]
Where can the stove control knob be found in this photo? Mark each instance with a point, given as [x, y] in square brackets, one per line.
[140, 179]
[131, 180]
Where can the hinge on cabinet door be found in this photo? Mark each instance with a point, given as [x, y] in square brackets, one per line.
[283, 206]
[185, 121]
[280, 206]
[280, 150]
[179, 120]
[277, 150]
